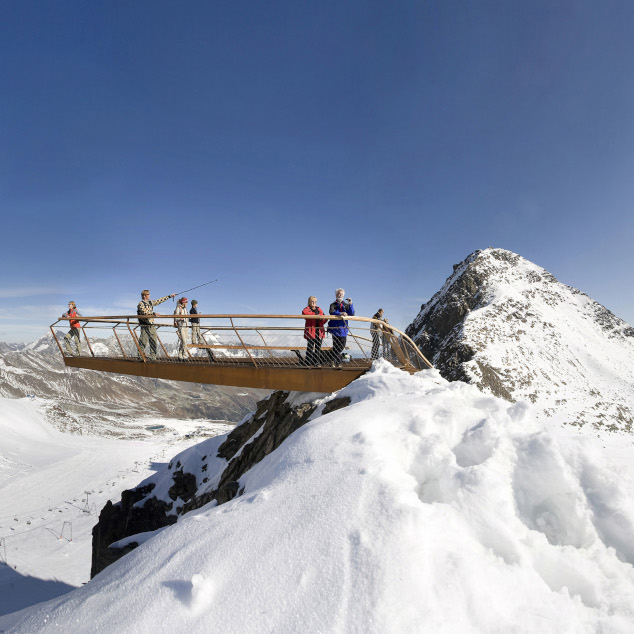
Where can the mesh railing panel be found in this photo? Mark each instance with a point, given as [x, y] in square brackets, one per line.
[265, 340]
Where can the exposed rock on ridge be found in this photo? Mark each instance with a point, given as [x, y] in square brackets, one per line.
[201, 474]
[508, 326]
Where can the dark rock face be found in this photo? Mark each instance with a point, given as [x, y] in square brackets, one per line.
[277, 420]
[438, 328]
[274, 420]
[512, 329]
[117, 521]
[184, 486]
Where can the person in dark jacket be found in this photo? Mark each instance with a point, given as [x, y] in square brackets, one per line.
[375, 331]
[73, 333]
[313, 332]
[197, 338]
[338, 328]
[195, 322]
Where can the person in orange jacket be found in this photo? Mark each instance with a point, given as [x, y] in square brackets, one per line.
[314, 332]
[73, 333]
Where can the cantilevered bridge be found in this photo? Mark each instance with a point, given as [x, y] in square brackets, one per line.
[255, 351]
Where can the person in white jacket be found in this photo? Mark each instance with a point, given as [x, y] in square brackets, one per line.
[181, 328]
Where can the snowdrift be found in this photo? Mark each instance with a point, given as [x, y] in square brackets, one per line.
[422, 506]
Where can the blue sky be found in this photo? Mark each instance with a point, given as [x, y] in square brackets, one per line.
[287, 148]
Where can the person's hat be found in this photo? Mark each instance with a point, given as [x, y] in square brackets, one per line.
[183, 300]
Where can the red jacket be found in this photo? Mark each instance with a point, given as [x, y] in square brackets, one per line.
[314, 326]
[73, 313]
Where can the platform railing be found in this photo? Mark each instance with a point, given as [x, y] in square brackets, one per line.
[255, 340]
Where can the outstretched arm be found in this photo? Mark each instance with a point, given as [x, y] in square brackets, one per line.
[156, 302]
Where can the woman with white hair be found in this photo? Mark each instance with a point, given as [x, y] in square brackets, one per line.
[313, 332]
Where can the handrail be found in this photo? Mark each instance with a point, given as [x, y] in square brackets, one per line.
[401, 344]
[224, 316]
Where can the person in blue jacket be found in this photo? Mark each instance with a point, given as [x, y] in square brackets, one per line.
[338, 328]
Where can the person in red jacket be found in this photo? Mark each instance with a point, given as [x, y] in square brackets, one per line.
[73, 333]
[313, 332]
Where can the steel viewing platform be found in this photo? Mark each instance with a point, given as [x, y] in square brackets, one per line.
[255, 351]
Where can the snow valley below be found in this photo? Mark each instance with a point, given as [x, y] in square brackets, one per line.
[420, 505]
[52, 487]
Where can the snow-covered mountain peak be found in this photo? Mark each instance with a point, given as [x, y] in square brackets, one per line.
[46, 343]
[510, 327]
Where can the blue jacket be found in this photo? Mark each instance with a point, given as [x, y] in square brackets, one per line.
[339, 327]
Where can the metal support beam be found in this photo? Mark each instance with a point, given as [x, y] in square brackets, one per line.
[299, 379]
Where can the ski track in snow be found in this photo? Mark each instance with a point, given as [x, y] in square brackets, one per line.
[52, 487]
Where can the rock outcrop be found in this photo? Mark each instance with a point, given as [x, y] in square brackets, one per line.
[508, 326]
[207, 472]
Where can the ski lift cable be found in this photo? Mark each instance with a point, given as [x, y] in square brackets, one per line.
[37, 528]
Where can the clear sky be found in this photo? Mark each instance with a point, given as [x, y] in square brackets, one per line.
[287, 148]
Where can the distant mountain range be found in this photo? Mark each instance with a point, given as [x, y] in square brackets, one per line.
[509, 327]
[499, 322]
[84, 401]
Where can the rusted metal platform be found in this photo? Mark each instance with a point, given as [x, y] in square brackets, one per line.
[252, 351]
[294, 378]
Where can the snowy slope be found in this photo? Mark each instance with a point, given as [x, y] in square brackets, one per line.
[52, 486]
[508, 326]
[422, 506]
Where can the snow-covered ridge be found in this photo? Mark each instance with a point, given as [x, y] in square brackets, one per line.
[508, 326]
[422, 506]
[99, 403]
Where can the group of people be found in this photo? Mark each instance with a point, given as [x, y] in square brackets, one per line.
[180, 323]
[148, 330]
[314, 332]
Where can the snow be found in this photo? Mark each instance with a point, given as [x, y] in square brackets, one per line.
[546, 342]
[422, 506]
[53, 485]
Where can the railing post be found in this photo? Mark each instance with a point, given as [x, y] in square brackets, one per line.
[159, 340]
[136, 341]
[396, 346]
[263, 341]
[242, 342]
[87, 341]
[59, 345]
[355, 340]
[114, 330]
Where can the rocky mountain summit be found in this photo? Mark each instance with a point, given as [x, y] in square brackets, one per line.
[508, 326]
[99, 403]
